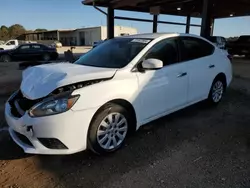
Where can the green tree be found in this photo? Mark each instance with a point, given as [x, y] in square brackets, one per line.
[4, 33]
[16, 30]
[40, 30]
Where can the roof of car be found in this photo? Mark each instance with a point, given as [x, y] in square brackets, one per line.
[157, 35]
[31, 44]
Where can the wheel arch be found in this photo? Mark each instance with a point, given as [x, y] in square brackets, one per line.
[223, 78]
[124, 103]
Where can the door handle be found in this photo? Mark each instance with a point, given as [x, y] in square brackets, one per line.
[211, 66]
[182, 74]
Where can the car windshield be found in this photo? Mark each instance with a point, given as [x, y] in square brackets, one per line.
[114, 53]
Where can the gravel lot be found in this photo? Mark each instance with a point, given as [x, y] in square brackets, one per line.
[194, 148]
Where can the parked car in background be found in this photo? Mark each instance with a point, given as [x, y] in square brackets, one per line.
[219, 41]
[240, 46]
[113, 90]
[56, 44]
[11, 44]
[29, 52]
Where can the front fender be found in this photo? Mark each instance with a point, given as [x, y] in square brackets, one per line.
[96, 95]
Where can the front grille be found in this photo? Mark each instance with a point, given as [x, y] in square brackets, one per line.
[19, 104]
[52, 143]
[23, 139]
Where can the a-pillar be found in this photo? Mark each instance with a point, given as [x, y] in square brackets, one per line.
[155, 20]
[206, 18]
[110, 23]
[188, 24]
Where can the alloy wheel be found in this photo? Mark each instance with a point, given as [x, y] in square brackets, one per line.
[217, 91]
[112, 131]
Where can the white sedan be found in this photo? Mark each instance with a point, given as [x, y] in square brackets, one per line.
[113, 90]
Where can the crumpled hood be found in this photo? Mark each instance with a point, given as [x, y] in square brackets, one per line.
[39, 81]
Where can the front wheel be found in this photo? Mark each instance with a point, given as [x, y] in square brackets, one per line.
[108, 129]
[216, 92]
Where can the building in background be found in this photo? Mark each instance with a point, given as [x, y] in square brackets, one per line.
[76, 37]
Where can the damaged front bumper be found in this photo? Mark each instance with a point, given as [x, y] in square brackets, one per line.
[64, 133]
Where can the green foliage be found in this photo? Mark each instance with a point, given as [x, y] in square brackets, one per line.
[12, 32]
[4, 33]
[40, 30]
[16, 30]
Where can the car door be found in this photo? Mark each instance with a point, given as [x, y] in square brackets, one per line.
[22, 52]
[36, 51]
[165, 89]
[198, 55]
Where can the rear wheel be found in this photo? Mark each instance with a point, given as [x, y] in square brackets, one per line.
[216, 92]
[5, 58]
[109, 129]
[46, 57]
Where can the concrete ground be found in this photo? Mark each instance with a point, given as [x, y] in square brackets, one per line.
[194, 148]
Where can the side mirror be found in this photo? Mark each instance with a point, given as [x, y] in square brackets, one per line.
[152, 64]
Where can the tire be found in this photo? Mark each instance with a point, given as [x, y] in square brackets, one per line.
[55, 56]
[5, 58]
[103, 135]
[216, 92]
[1, 49]
[46, 57]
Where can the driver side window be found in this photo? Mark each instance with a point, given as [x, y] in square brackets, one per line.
[24, 47]
[165, 50]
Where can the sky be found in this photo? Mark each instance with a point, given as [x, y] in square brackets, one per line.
[67, 14]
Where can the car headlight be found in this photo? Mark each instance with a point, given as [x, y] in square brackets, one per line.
[53, 106]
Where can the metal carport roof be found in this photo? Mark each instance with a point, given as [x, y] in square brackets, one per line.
[220, 8]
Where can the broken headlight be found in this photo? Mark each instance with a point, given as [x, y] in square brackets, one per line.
[53, 106]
